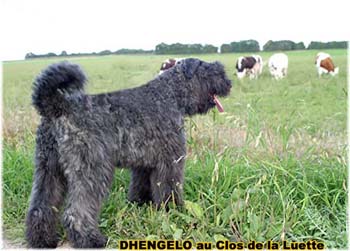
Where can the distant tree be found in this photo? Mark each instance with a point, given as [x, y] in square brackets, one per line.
[193, 48]
[283, 45]
[30, 55]
[208, 48]
[179, 48]
[105, 52]
[241, 46]
[50, 54]
[299, 46]
[245, 46]
[268, 45]
[327, 45]
[161, 48]
[133, 51]
[64, 54]
[225, 48]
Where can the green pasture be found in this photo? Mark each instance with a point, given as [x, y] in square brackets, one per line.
[272, 167]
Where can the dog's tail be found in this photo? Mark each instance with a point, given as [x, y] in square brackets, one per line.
[56, 87]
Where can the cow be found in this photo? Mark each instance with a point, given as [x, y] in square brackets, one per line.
[167, 64]
[278, 65]
[249, 66]
[324, 64]
[258, 67]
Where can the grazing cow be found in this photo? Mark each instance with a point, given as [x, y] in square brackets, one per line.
[167, 64]
[278, 65]
[251, 66]
[324, 64]
[259, 64]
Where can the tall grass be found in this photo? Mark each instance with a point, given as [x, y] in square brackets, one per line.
[272, 167]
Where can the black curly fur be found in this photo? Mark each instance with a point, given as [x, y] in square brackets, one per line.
[52, 86]
[82, 138]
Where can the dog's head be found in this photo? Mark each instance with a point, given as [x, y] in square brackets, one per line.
[202, 84]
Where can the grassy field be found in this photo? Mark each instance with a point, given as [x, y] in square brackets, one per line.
[272, 167]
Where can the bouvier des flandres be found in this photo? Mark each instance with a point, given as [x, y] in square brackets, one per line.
[82, 138]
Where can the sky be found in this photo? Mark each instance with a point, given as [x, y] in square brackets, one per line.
[42, 26]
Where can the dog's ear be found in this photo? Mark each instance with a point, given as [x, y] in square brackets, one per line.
[190, 66]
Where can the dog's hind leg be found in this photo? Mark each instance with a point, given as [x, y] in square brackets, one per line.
[46, 198]
[167, 183]
[89, 176]
[140, 186]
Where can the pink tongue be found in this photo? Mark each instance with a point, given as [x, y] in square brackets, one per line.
[218, 104]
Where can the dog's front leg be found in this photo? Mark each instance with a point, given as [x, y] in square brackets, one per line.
[167, 183]
[140, 185]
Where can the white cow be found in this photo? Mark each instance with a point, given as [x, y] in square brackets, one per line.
[278, 65]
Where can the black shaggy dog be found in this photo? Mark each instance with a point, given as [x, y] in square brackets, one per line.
[82, 138]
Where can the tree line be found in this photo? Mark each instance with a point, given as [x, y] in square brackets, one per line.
[31, 55]
[238, 46]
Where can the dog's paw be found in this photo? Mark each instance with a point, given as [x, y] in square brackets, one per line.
[93, 241]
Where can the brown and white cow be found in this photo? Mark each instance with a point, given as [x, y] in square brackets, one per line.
[324, 64]
[249, 66]
[167, 64]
